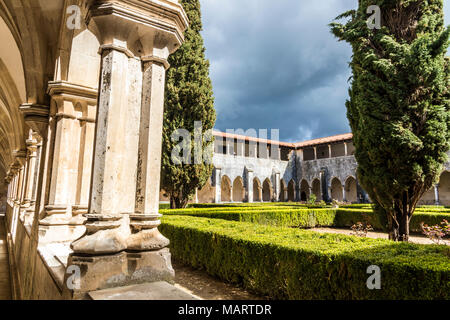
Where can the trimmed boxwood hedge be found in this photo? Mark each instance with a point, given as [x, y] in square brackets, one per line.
[348, 217]
[307, 218]
[302, 218]
[257, 205]
[287, 263]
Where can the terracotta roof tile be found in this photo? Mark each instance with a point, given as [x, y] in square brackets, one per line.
[336, 138]
[308, 143]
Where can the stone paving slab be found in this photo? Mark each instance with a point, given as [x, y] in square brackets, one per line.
[146, 291]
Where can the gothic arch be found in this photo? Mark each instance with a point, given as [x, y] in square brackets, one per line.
[225, 186]
[316, 189]
[267, 190]
[351, 190]
[282, 195]
[257, 190]
[444, 188]
[304, 190]
[291, 191]
[336, 189]
[238, 190]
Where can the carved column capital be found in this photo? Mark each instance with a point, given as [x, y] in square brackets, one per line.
[36, 117]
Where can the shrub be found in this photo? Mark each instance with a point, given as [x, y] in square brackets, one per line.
[436, 233]
[312, 199]
[345, 218]
[302, 218]
[286, 263]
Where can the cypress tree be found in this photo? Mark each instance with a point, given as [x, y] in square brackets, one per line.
[188, 98]
[399, 108]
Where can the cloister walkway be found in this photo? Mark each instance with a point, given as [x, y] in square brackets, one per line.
[5, 285]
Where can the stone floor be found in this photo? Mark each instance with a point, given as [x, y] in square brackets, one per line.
[5, 285]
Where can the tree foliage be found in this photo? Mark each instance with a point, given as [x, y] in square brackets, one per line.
[399, 109]
[188, 98]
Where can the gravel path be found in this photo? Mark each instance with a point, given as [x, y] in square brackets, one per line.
[202, 285]
[378, 235]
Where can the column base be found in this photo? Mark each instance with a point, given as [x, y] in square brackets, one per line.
[60, 233]
[117, 270]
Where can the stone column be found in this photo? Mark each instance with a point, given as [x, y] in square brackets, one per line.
[146, 220]
[344, 193]
[218, 186]
[122, 244]
[277, 186]
[196, 195]
[329, 151]
[346, 149]
[67, 157]
[249, 185]
[29, 198]
[241, 148]
[436, 195]
[63, 162]
[315, 153]
[253, 149]
[87, 123]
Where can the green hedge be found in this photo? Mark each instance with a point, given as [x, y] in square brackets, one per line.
[307, 218]
[257, 205]
[347, 217]
[287, 263]
[302, 218]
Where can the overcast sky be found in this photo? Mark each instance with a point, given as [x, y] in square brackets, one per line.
[275, 64]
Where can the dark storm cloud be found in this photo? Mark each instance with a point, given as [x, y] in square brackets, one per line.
[275, 64]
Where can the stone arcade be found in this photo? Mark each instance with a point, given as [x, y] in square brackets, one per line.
[81, 107]
[249, 169]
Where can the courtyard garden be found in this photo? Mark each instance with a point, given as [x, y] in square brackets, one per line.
[275, 250]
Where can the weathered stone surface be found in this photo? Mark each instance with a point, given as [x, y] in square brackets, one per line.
[122, 269]
[146, 291]
[147, 240]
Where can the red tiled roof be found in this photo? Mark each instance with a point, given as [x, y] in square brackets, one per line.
[246, 138]
[336, 138]
[308, 143]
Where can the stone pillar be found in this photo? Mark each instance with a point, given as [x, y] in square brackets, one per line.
[146, 218]
[344, 193]
[315, 153]
[122, 244]
[241, 148]
[196, 195]
[30, 196]
[68, 157]
[253, 149]
[346, 149]
[217, 184]
[436, 195]
[249, 183]
[277, 186]
[87, 125]
[329, 151]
